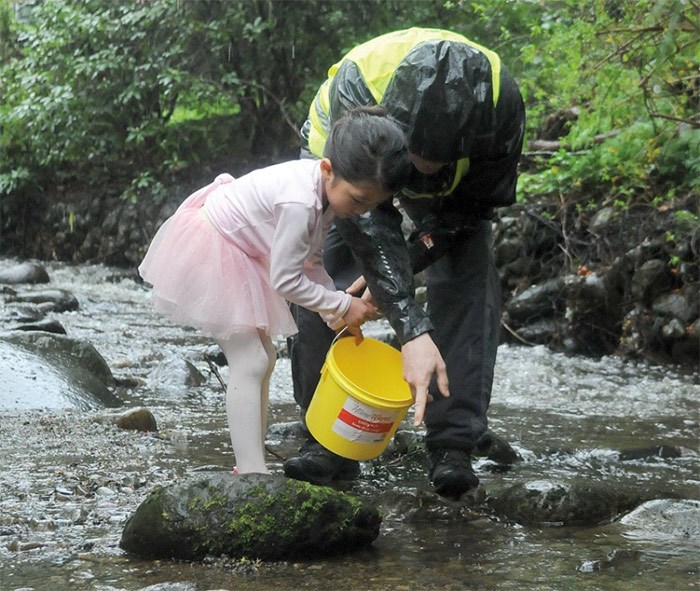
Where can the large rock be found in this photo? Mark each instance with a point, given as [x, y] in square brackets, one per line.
[562, 503]
[593, 315]
[54, 300]
[678, 518]
[537, 301]
[51, 371]
[251, 515]
[24, 273]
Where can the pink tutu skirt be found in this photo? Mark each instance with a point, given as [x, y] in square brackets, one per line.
[201, 280]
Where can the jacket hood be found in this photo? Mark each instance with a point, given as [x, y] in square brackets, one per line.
[442, 97]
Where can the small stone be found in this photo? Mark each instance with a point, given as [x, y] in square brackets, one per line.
[137, 419]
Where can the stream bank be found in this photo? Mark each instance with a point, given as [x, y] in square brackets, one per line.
[582, 277]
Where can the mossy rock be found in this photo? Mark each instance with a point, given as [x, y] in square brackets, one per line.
[564, 503]
[255, 516]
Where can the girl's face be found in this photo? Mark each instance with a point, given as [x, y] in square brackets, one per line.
[348, 199]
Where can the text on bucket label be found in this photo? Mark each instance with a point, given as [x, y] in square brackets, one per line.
[362, 423]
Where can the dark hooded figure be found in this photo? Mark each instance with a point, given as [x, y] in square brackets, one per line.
[464, 119]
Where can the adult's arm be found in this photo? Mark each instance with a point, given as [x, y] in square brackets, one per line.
[377, 241]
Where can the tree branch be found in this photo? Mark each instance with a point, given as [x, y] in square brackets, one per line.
[556, 145]
[694, 122]
[280, 103]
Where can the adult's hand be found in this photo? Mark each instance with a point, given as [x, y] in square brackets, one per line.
[421, 360]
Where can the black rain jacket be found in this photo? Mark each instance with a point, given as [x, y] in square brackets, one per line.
[456, 104]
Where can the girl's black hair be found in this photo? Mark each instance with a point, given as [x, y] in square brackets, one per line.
[365, 146]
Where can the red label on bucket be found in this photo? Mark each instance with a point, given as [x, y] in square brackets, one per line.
[361, 423]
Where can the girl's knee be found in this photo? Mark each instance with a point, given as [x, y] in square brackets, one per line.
[248, 354]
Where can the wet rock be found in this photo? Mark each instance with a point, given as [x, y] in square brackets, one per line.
[23, 312]
[613, 560]
[214, 354]
[55, 300]
[137, 419]
[538, 301]
[408, 504]
[600, 220]
[678, 518]
[404, 441]
[541, 332]
[659, 451]
[652, 278]
[560, 503]
[252, 515]
[593, 315]
[24, 273]
[180, 586]
[496, 449]
[540, 234]
[673, 330]
[288, 430]
[45, 370]
[512, 273]
[674, 304]
[176, 377]
[686, 350]
[52, 326]
[508, 250]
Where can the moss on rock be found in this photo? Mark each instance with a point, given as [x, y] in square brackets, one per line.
[252, 515]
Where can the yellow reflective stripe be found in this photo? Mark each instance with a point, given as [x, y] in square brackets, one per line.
[461, 170]
[320, 120]
[378, 58]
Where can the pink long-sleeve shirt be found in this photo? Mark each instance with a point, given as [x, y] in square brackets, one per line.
[276, 213]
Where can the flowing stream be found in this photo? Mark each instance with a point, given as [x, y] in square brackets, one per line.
[69, 479]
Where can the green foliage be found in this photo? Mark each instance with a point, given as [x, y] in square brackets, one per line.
[81, 100]
[103, 92]
[687, 217]
[679, 158]
[7, 34]
[126, 93]
[631, 69]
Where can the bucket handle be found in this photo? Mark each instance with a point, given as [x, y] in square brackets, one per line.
[339, 334]
[335, 340]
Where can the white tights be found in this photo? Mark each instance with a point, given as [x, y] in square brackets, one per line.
[251, 358]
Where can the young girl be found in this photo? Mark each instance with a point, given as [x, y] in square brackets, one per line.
[235, 250]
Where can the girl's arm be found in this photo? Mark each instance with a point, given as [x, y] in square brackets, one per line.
[288, 266]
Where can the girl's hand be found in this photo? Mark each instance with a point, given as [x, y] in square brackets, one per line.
[355, 331]
[359, 312]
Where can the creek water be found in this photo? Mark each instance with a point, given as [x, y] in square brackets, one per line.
[69, 479]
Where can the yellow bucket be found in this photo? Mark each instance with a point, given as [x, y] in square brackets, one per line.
[360, 399]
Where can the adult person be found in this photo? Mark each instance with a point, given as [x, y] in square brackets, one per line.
[464, 119]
